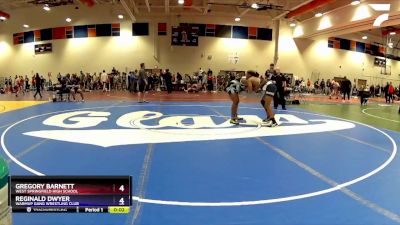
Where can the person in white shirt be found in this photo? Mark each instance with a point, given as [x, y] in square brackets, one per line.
[200, 75]
[104, 80]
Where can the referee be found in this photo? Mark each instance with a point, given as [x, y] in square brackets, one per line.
[280, 82]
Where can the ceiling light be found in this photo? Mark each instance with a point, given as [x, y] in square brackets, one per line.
[254, 6]
[26, 25]
[2, 18]
[181, 2]
[318, 15]
[380, 7]
[355, 2]
[68, 20]
[392, 33]
[46, 7]
[364, 37]
[120, 17]
[382, 18]
[292, 24]
[237, 19]
[298, 31]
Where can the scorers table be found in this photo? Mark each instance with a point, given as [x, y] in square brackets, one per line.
[70, 194]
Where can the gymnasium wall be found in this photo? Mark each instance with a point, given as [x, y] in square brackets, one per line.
[313, 59]
[125, 52]
[300, 57]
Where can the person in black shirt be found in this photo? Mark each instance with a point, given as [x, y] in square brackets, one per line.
[38, 84]
[280, 82]
[270, 71]
[168, 81]
[178, 78]
[76, 87]
[345, 87]
[372, 90]
[210, 78]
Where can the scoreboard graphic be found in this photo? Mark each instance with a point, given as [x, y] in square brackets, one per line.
[43, 48]
[185, 36]
[83, 194]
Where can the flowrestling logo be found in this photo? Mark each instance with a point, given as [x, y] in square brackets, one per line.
[146, 127]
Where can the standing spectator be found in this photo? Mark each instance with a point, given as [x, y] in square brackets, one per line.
[110, 81]
[270, 72]
[372, 90]
[302, 85]
[210, 79]
[42, 81]
[322, 86]
[6, 85]
[94, 82]
[280, 82]
[150, 81]
[26, 83]
[328, 87]
[390, 92]
[50, 81]
[129, 79]
[168, 81]
[104, 80]
[142, 83]
[10, 84]
[209, 71]
[135, 81]
[386, 91]
[17, 86]
[345, 87]
[38, 84]
[316, 86]
[308, 85]
[200, 75]
[377, 90]
[33, 81]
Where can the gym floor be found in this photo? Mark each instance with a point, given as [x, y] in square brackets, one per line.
[327, 163]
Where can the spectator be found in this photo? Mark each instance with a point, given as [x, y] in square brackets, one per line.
[142, 83]
[26, 83]
[178, 78]
[168, 81]
[390, 92]
[280, 81]
[104, 80]
[210, 79]
[50, 81]
[322, 86]
[42, 81]
[38, 84]
[328, 87]
[372, 90]
[308, 85]
[135, 81]
[345, 87]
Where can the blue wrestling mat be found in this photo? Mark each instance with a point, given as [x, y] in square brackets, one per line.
[190, 166]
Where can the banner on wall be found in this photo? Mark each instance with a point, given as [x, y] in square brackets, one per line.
[185, 36]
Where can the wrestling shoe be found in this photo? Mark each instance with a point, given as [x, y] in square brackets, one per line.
[234, 121]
